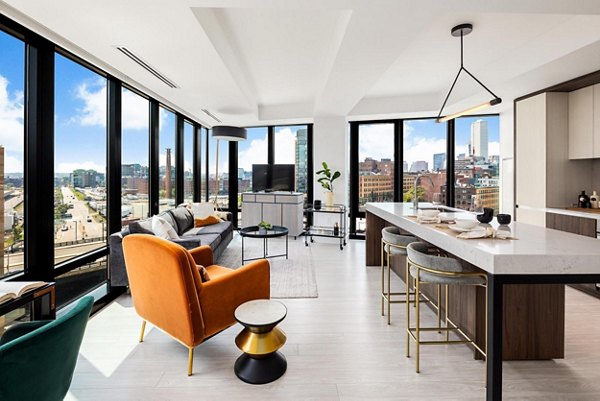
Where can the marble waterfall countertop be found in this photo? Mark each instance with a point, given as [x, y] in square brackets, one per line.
[536, 250]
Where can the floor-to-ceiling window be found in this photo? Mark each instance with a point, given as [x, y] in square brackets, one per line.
[254, 150]
[79, 160]
[203, 164]
[167, 162]
[425, 154]
[376, 158]
[79, 175]
[291, 147]
[477, 163]
[12, 134]
[134, 157]
[188, 162]
[218, 180]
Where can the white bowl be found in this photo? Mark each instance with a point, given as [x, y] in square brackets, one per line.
[466, 223]
[429, 212]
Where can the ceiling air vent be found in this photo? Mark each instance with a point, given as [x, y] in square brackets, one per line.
[147, 66]
[211, 115]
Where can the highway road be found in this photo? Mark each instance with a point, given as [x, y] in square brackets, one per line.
[78, 227]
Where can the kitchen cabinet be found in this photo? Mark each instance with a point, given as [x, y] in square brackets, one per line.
[584, 123]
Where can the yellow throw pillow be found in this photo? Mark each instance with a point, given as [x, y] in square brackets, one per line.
[207, 221]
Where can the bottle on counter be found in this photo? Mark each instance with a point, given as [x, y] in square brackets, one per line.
[584, 200]
[594, 200]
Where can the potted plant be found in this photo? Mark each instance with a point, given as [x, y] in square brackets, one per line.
[263, 226]
[326, 180]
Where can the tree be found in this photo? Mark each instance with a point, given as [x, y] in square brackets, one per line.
[408, 196]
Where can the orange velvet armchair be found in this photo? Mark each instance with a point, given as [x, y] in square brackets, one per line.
[168, 292]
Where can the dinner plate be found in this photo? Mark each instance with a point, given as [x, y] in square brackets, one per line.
[454, 227]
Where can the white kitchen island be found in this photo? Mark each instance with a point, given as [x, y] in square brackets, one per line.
[525, 278]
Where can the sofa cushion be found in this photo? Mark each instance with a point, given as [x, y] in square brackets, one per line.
[223, 227]
[141, 227]
[202, 210]
[163, 229]
[211, 239]
[184, 219]
[169, 218]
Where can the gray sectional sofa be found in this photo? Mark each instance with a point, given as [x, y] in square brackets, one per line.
[218, 236]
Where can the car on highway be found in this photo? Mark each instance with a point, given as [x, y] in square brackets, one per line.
[89, 219]
[64, 228]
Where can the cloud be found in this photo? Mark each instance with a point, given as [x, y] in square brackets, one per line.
[285, 146]
[376, 141]
[12, 131]
[68, 167]
[256, 153]
[135, 109]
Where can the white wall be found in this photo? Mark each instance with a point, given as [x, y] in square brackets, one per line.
[330, 144]
[507, 164]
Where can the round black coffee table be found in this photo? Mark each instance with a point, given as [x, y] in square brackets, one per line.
[260, 341]
[256, 232]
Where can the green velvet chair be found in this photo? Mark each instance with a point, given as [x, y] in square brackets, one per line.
[37, 359]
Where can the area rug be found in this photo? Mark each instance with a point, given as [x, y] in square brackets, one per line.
[290, 278]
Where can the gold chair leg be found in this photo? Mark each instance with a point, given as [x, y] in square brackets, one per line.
[388, 289]
[143, 329]
[418, 318]
[190, 360]
[407, 281]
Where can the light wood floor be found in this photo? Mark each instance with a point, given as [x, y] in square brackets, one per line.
[339, 348]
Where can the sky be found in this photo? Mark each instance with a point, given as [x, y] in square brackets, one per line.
[422, 139]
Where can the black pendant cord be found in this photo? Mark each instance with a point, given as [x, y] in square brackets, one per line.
[461, 69]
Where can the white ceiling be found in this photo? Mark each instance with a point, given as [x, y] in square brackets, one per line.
[254, 62]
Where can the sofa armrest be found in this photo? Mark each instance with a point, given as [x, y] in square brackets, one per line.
[189, 242]
[203, 255]
[220, 296]
[227, 216]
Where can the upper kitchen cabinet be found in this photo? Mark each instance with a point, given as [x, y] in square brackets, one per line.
[584, 123]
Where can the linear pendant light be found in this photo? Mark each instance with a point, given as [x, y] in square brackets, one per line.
[461, 31]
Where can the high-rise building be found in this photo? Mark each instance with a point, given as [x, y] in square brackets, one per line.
[404, 166]
[419, 165]
[301, 159]
[439, 161]
[81, 178]
[479, 139]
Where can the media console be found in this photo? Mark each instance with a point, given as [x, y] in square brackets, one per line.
[278, 208]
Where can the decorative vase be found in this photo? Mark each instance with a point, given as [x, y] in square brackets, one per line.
[595, 200]
[583, 200]
[329, 198]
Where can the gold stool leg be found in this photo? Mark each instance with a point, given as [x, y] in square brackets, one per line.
[407, 281]
[388, 288]
[190, 360]
[439, 311]
[143, 329]
[418, 318]
[382, 280]
[446, 317]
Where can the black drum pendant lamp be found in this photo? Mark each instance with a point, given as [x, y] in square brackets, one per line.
[226, 133]
[461, 31]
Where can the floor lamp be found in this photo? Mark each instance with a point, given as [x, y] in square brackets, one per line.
[226, 133]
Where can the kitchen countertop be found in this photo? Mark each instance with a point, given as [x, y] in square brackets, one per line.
[537, 250]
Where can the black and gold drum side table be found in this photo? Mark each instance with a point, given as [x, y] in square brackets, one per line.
[260, 341]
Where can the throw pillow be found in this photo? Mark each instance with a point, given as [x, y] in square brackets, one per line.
[203, 273]
[144, 227]
[202, 210]
[163, 229]
[212, 219]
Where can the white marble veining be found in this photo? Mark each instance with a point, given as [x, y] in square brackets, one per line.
[536, 250]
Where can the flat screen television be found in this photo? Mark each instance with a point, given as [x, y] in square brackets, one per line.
[273, 177]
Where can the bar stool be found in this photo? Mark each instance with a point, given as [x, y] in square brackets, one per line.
[426, 267]
[392, 243]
